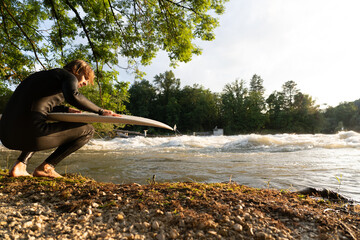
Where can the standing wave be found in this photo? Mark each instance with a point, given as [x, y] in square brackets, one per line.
[238, 143]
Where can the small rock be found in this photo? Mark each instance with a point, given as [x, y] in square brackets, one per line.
[226, 219]
[120, 217]
[103, 235]
[38, 212]
[237, 227]
[173, 233]
[261, 236]
[28, 224]
[247, 217]
[182, 223]
[36, 227]
[161, 236]
[239, 207]
[89, 211]
[19, 215]
[239, 219]
[131, 229]
[155, 225]
[146, 224]
[200, 234]
[213, 233]
[158, 211]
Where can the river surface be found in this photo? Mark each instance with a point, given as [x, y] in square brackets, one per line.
[283, 161]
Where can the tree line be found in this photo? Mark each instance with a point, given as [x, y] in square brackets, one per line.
[240, 108]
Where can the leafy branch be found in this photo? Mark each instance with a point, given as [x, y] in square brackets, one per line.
[24, 33]
[92, 46]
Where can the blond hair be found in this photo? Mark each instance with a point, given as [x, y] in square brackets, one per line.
[78, 67]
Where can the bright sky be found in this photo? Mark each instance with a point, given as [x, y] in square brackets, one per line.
[315, 43]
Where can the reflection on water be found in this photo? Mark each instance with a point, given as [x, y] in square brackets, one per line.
[285, 161]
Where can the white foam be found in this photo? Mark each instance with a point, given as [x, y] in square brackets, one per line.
[251, 142]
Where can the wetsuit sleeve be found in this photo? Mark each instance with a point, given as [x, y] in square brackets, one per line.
[61, 108]
[76, 99]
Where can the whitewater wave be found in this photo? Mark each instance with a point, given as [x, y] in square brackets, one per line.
[238, 143]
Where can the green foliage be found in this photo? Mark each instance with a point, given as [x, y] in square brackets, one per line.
[48, 33]
[114, 96]
[237, 109]
[142, 98]
[233, 108]
[5, 94]
[345, 116]
[168, 89]
[255, 105]
[293, 111]
[198, 109]
[43, 34]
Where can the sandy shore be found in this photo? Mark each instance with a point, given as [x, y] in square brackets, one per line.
[79, 208]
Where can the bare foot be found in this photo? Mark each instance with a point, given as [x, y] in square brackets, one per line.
[19, 170]
[46, 170]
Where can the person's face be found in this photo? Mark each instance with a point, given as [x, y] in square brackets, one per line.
[82, 81]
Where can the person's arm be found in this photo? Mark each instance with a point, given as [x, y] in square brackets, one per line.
[60, 108]
[76, 99]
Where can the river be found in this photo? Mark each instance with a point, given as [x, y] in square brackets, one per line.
[282, 161]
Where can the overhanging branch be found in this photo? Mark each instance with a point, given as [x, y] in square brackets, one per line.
[182, 6]
[24, 33]
[90, 42]
[58, 24]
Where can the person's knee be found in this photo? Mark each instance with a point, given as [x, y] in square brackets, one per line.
[90, 130]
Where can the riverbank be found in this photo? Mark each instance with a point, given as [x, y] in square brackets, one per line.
[75, 207]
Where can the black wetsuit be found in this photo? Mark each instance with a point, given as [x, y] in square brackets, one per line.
[23, 124]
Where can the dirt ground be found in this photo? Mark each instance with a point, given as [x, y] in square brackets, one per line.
[75, 207]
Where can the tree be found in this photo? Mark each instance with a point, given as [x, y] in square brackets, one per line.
[142, 98]
[289, 91]
[275, 103]
[292, 111]
[198, 109]
[233, 107]
[168, 89]
[167, 84]
[48, 33]
[5, 94]
[255, 104]
[306, 114]
[344, 116]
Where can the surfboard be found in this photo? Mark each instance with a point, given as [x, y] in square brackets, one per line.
[91, 118]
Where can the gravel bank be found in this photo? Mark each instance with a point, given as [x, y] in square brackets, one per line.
[79, 208]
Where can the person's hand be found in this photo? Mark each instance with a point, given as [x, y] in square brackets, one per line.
[110, 113]
[73, 110]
